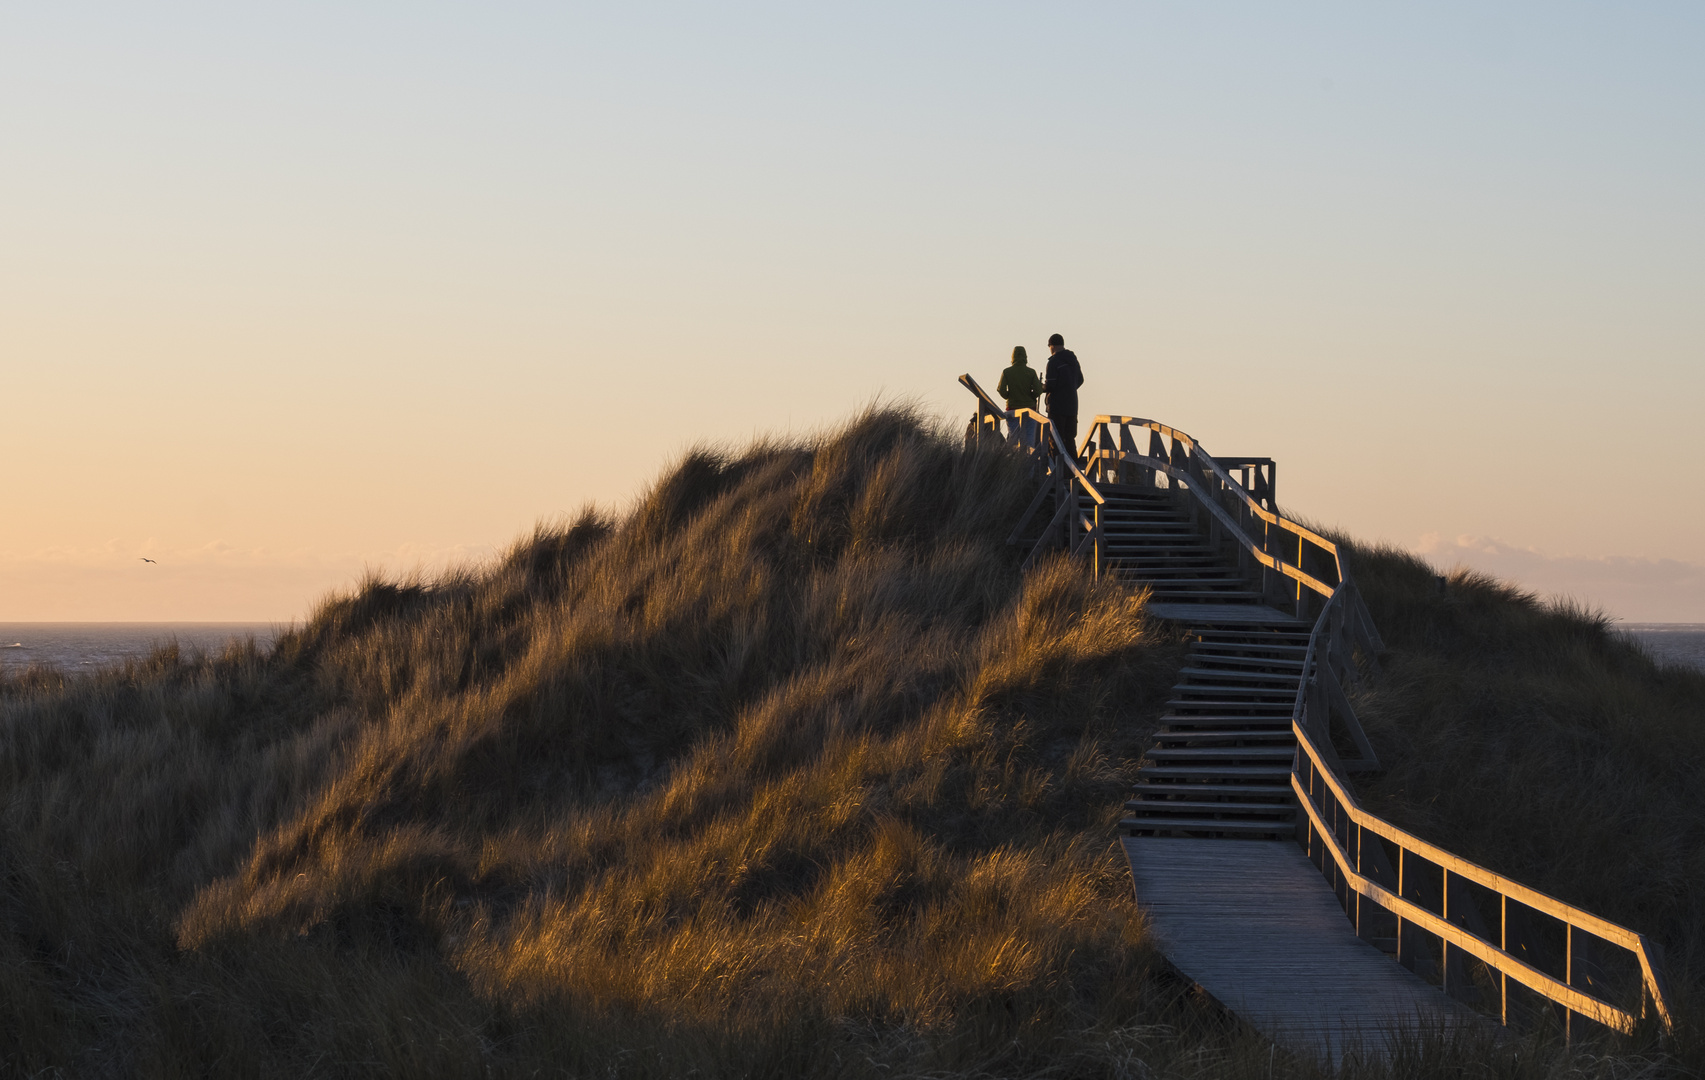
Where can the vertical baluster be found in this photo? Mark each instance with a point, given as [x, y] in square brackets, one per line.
[1504, 944]
[1361, 930]
[1444, 942]
[1568, 977]
[1405, 931]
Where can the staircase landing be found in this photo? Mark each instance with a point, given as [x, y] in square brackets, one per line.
[1255, 925]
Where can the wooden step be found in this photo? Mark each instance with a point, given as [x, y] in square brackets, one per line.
[1253, 711]
[1272, 810]
[1244, 654]
[1251, 665]
[1245, 791]
[1276, 722]
[1277, 697]
[1215, 772]
[1228, 674]
[1228, 735]
[1281, 640]
[1229, 596]
[1113, 510]
[1230, 753]
[1260, 828]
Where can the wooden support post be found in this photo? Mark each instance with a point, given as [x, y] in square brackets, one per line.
[1568, 977]
[1504, 944]
[1100, 553]
[1455, 971]
[1405, 929]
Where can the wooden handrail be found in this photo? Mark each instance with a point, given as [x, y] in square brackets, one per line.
[1209, 462]
[1017, 417]
[1064, 452]
[1269, 540]
[1311, 764]
[1342, 629]
[987, 402]
[1028, 431]
[1271, 562]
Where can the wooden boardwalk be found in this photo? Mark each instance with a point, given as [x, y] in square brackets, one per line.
[1255, 925]
[1257, 742]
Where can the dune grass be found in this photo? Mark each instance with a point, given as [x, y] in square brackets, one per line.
[786, 771]
[1530, 736]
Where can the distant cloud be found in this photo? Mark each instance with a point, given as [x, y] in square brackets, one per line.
[1627, 587]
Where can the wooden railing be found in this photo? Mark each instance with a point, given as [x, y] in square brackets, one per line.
[1297, 568]
[1076, 524]
[1445, 912]
[1432, 906]
[1343, 633]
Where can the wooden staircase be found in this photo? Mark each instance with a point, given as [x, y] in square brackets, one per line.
[1242, 823]
[1147, 536]
[1221, 765]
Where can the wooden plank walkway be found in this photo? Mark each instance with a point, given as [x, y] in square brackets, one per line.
[1255, 925]
[1218, 614]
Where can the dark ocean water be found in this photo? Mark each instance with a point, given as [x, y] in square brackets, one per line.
[85, 646]
[1672, 643]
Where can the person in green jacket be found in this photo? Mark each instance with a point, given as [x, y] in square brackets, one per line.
[1019, 385]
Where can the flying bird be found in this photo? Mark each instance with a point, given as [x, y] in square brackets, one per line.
[147, 560]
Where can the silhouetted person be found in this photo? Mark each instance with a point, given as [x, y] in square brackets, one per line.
[1063, 378]
[1019, 384]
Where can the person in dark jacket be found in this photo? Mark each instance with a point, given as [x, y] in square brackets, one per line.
[1019, 384]
[1063, 378]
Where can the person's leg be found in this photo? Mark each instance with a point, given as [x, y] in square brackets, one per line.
[1067, 425]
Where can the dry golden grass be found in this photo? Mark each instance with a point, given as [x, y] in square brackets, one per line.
[788, 771]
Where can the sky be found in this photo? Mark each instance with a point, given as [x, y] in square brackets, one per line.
[290, 292]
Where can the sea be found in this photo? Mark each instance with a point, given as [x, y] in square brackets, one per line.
[86, 646]
[72, 647]
[1682, 644]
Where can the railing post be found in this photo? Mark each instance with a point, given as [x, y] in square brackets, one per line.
[1569, 978]
[1361, 928]
[1504, 944]
[1099, 552]
[1405, 931]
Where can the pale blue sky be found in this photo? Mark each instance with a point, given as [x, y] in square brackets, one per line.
[289, 290]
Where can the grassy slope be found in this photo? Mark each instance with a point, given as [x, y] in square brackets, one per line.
[787, 771]
[1532, 738]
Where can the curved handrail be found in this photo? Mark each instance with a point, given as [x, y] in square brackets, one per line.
[1271, 541]
[1212, 463]
[1270, 561]
[1208, 462]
